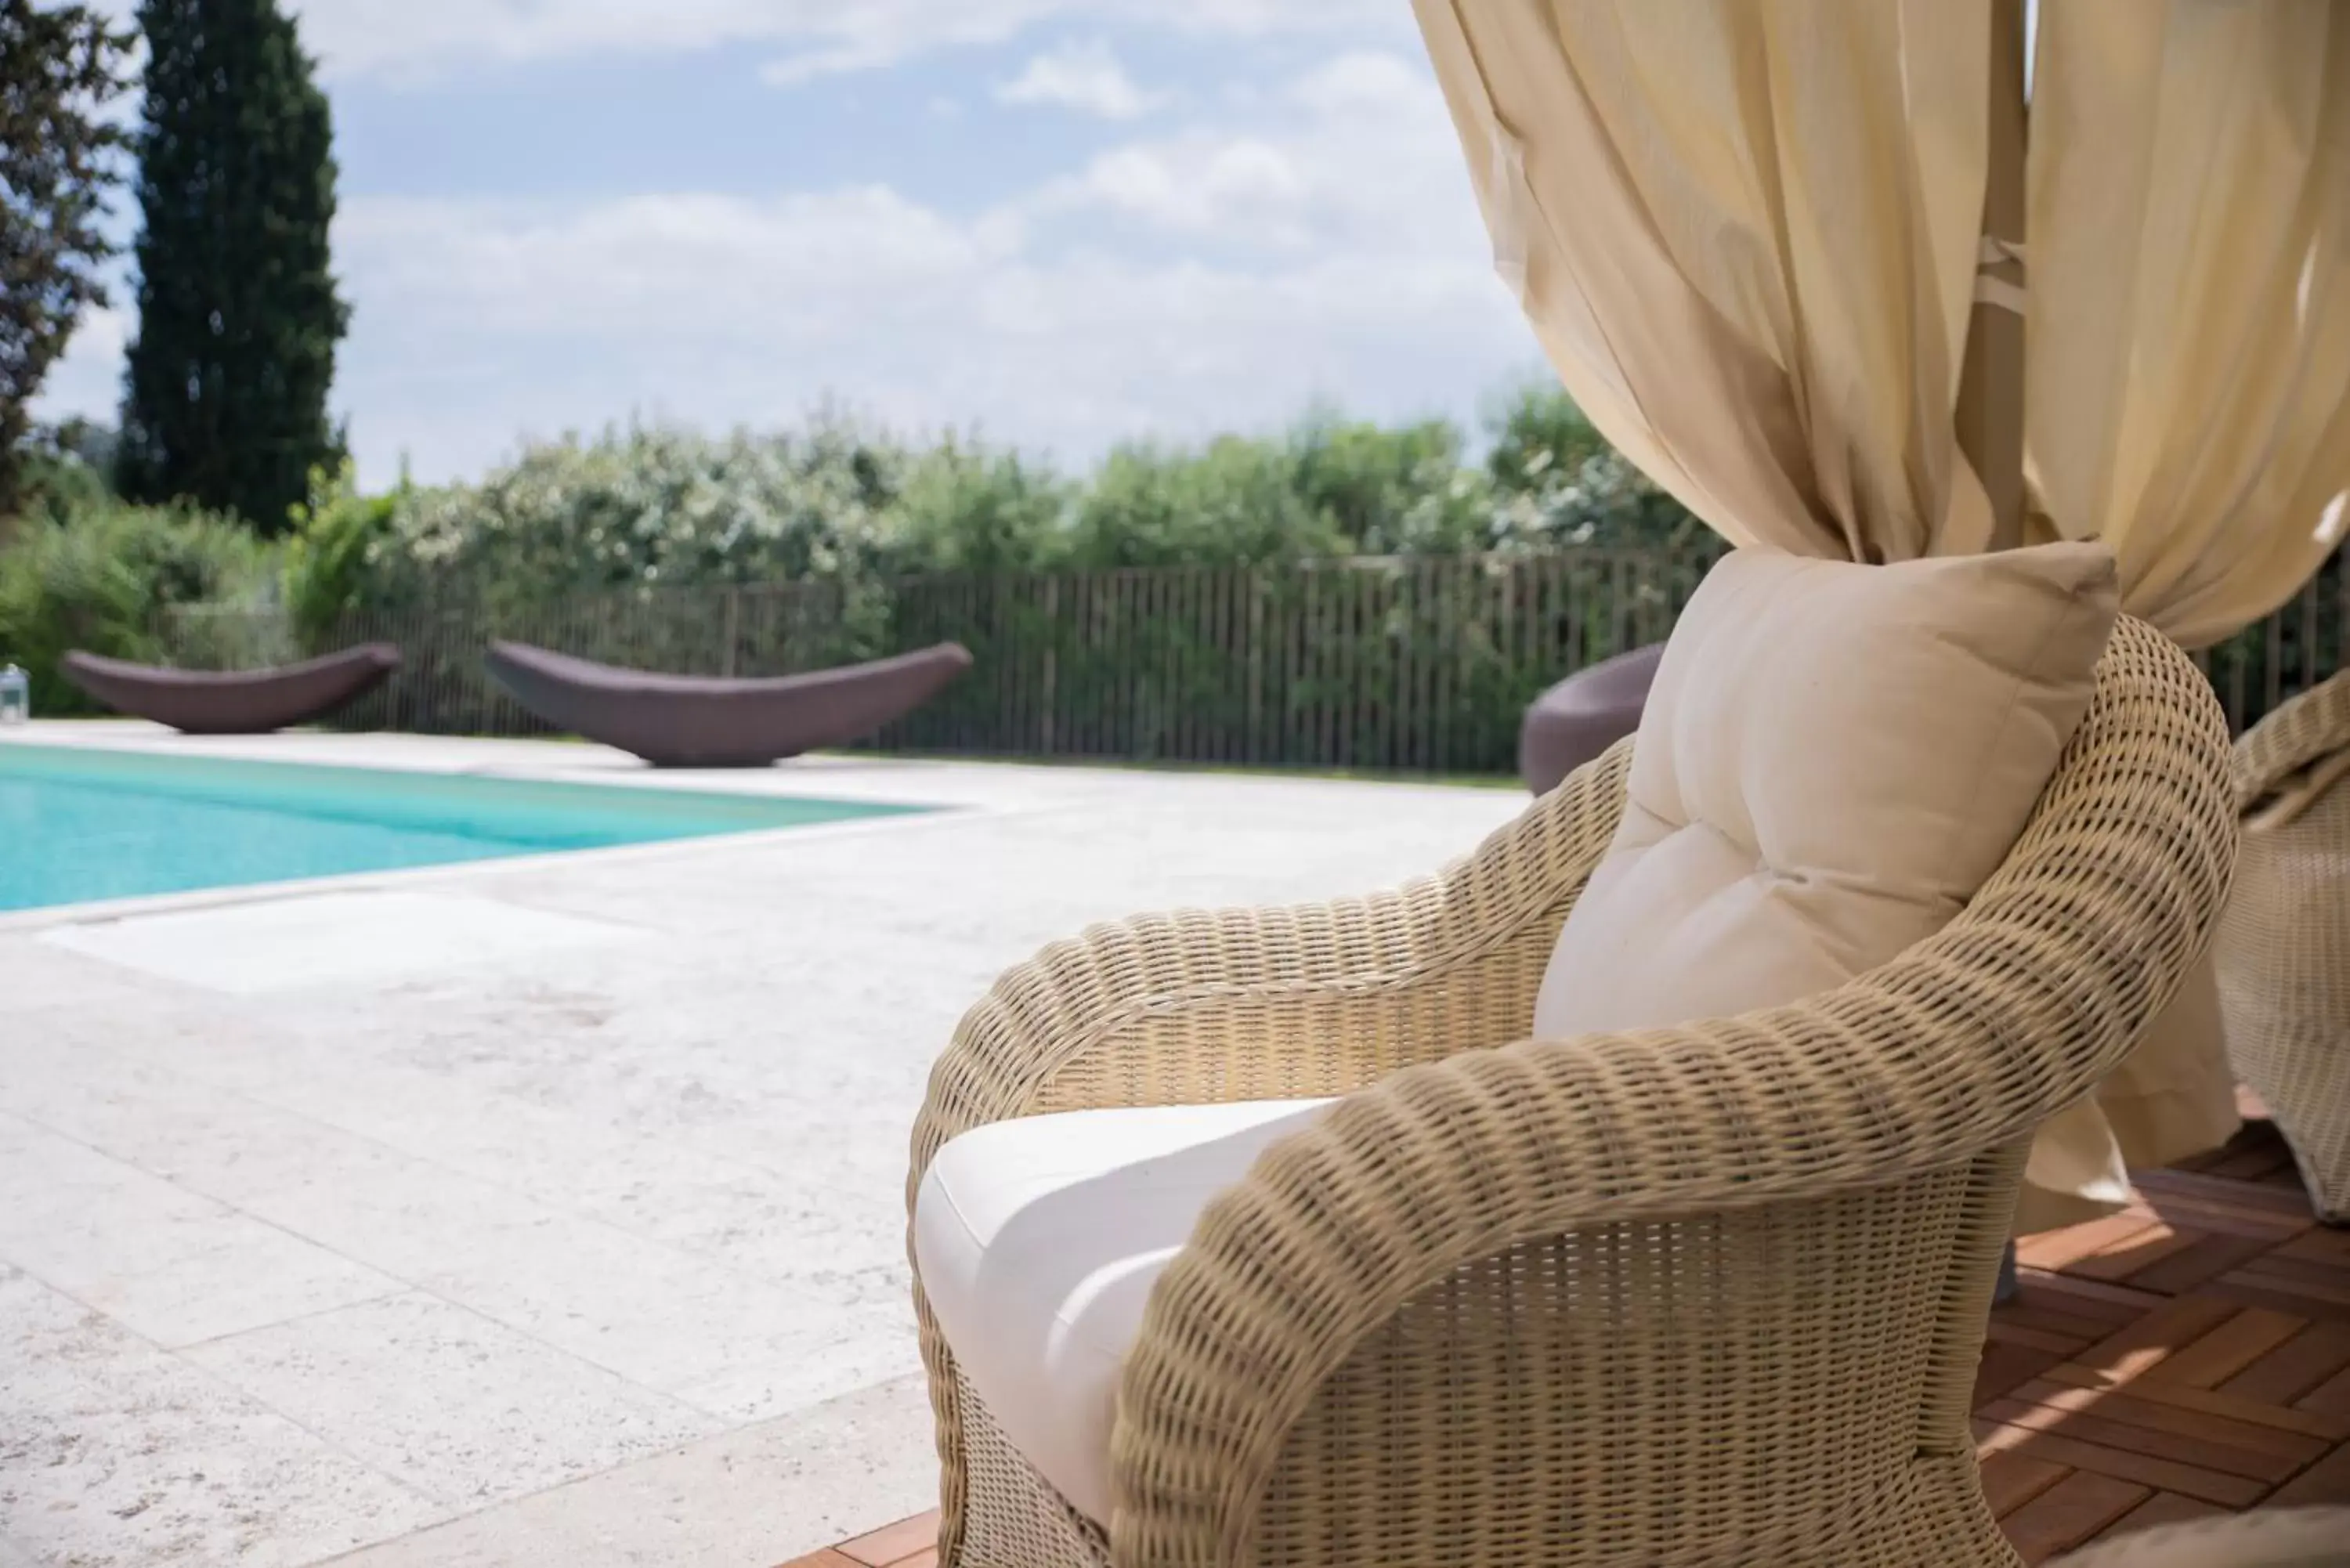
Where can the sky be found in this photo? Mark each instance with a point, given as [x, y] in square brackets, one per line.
[1056, 224]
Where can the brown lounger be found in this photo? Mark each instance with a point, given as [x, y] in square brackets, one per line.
[701, 722]
[1583, 715]
[232, 703]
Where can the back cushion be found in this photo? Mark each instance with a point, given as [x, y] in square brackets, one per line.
[1833, 759]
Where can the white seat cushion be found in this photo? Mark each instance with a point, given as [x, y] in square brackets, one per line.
[1038, 1242]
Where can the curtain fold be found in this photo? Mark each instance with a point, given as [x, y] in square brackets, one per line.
[2188, 364]
[1747, 233]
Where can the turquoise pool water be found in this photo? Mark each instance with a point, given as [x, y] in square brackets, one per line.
[78, 823]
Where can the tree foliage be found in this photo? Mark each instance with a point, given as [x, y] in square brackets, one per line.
[327, 565]
[1556, 482]
[102, 578]
[225, 387]
[837, 502]
[961, 508]
[59, 68]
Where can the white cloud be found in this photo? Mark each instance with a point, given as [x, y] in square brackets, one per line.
[1206, 280]
[1221, 275]
[474, 332]
[816, 37]
[1084, 75]
[835, 38]
[1369, 82]
[1368, 140]
[1197, 184]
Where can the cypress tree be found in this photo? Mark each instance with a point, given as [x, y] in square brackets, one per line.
[224, 397]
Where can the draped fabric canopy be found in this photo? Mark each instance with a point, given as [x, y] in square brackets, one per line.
[1751, 236]
[2188, 374]
[1748, 234]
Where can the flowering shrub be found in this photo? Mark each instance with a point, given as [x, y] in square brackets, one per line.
[837, 503]
[640, 508]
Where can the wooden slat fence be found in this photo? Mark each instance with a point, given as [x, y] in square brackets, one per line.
[1411, 665]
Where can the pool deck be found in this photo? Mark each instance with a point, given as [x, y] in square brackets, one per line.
[550, 1211]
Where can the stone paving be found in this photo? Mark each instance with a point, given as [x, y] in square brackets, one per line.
[567, 1227]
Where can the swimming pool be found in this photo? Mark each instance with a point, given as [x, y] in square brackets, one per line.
[78, 823]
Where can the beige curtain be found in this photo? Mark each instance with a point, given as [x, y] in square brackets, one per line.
[2187, 396]
[2188, 356]
[1747, 233]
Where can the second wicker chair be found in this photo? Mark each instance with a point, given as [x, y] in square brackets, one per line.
[2283, 954]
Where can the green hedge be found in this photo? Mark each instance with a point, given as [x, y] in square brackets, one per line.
[103, 578]
[849, 507]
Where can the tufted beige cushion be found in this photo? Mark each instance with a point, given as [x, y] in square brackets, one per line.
[1833, 759]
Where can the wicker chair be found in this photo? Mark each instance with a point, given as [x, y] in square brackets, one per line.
[1705, 1296]
[2284, 950]
[2271, 1538]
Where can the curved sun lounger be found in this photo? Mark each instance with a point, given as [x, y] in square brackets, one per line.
[232, 703]
[1583, 715]
[700, 721]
